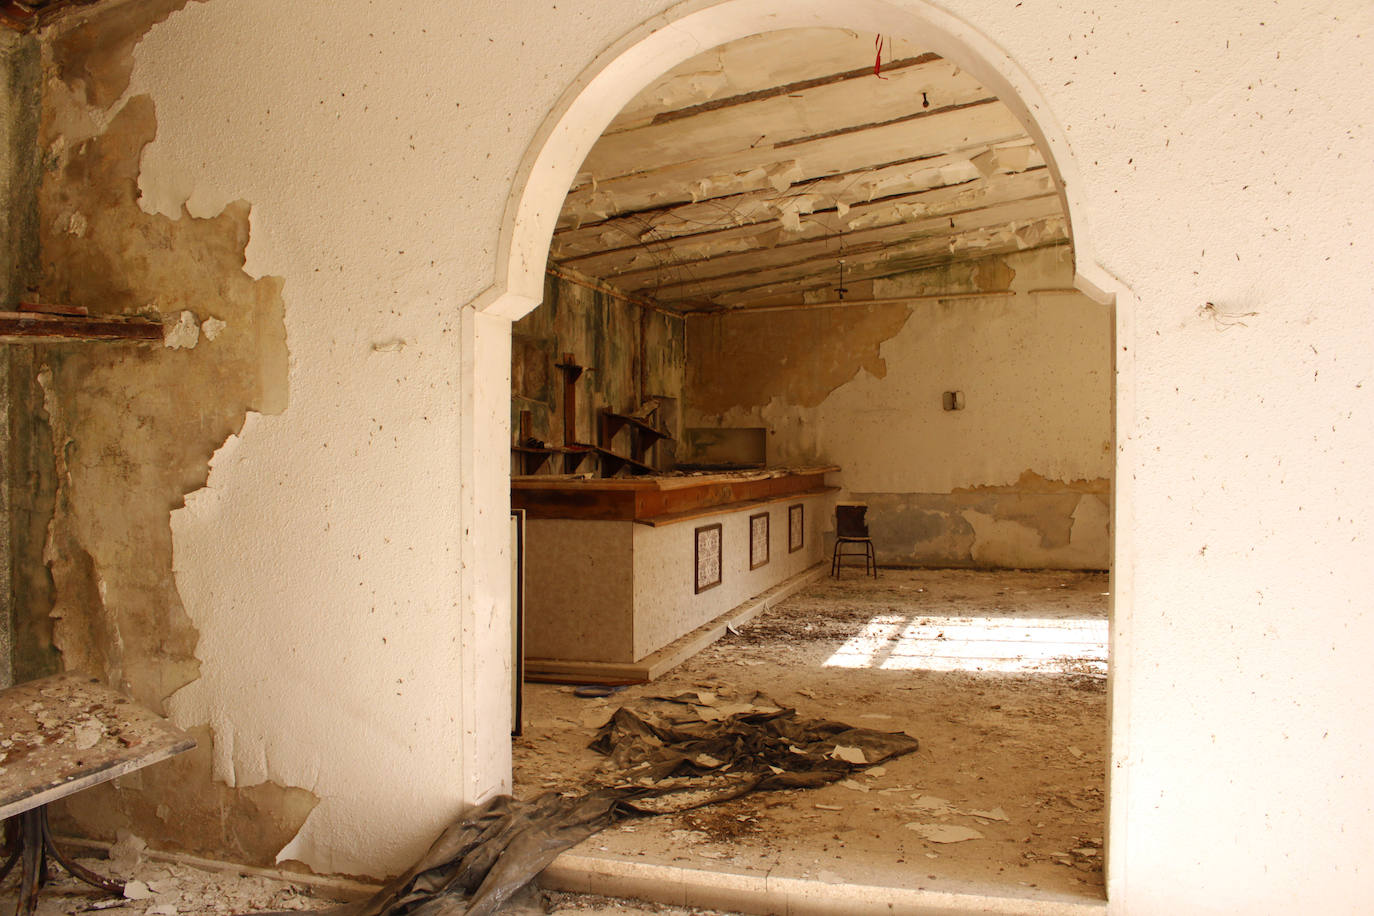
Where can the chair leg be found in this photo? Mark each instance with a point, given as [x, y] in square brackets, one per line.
[835, 560]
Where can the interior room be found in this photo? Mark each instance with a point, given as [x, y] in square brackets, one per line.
[822, 281]
[801, 274]
[879, 306]
[301, 300]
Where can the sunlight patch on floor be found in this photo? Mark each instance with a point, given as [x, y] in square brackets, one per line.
[989, 644]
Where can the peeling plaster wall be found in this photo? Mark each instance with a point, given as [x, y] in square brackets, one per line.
[1019, 478]
[150, 588]
[629, 354]
[377, 155]
[132, 428]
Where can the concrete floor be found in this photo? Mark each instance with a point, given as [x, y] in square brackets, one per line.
[1000, 675]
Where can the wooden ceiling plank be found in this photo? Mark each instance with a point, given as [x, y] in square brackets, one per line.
[980, 205]
[656, 265]
[897, 260]
[790, 89]
[706, 279]
[945, 141]
[899, 265]
[786, 120]
[772, 153]
[768, 59]
[856, 186]
[906, 196]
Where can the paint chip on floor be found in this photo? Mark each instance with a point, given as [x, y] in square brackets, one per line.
[944, 833]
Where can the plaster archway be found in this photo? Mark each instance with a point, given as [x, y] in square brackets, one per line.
[541, 183]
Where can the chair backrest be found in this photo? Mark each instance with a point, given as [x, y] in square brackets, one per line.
[849, 520]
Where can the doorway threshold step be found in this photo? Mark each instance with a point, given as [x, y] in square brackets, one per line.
[757, 892]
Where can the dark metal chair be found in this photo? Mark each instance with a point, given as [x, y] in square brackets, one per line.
[852, 528]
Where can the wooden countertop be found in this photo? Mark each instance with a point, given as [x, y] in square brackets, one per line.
[659, 500]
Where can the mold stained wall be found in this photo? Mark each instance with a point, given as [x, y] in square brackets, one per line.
[19, 106]
[628, 354]
[376, 181]
[1019, 478]
[131, 429]
[254, 528]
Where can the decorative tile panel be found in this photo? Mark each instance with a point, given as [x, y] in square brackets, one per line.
[758, 540]
[708, 554]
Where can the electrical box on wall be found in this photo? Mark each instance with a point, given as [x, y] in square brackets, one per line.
[954, 400]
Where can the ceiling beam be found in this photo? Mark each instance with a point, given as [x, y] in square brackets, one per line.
[760, 220]
[685, 264]
[793, 88]
[951, 138]
[768, 59]
[923, 90]
[900, 256]
[848, 303]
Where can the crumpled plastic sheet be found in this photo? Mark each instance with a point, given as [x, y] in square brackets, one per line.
[663, 754]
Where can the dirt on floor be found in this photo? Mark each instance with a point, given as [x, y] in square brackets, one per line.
[162, 888]
[999, 675]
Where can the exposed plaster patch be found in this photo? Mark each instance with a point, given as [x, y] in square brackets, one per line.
[1011, 542]
[993, 527]
[183, 334]
[94, 55]
[998, 542]
[126, 448]
[181, 807]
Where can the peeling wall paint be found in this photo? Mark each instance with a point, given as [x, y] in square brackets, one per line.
[323, 563]
[191, 575]
[133, 428]
[992, 527]
[1016, 479]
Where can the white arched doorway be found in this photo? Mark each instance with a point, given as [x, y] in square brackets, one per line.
[538, 191]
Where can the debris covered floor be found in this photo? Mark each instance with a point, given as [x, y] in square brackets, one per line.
[1000, 675]
[161, 888]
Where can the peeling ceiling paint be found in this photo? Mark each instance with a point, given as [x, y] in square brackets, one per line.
[746, 174]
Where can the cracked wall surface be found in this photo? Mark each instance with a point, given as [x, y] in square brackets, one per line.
[132, 429]
[1018, 478]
